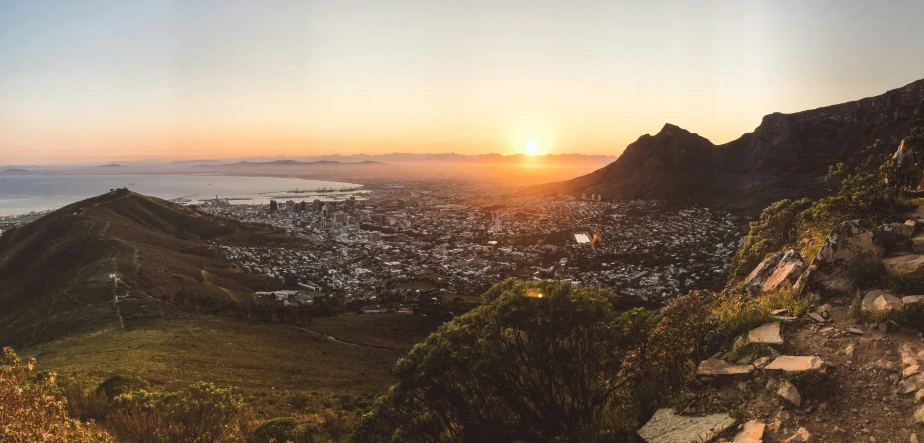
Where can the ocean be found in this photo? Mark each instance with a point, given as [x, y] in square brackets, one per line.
[21, 194]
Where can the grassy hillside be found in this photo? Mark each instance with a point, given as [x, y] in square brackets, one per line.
[55, 272]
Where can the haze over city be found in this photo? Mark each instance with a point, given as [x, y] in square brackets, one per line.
[112, 80]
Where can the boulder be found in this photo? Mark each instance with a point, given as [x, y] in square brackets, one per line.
[894, 237]
[877, 301]
[788, 270]
[789, 392]
[768, 333]
[751, 432]
[755, 280]
[714, 367]
[910, 266]
[919, 415]
[792, 363]
[667, 427]
[848, 243]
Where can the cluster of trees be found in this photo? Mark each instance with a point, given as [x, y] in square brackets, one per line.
[540, 361]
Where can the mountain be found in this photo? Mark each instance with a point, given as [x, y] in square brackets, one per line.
[787, 156]
[289, 163]
[111, 165]
[55, 272]
[16, 171]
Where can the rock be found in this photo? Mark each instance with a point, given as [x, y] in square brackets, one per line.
[779, 312]
[848, 243]
[755, 280]
[789, 392]
[913, 438]
[856, 331]
[848, 352]
[791, 363]
[815, 316]
[912, 299]
[885, 365]
[752, 432]
[918, 395]
[801, 436]
[917, 244]
[910, 266]
[761, 362]
[894, 237]
[667, 427]
[768, 333]
[911, 384]
[877, 301]
[824, 310]
[790, 267]
[919, 415]
[716, 367]
[883, 327]
[911, 370]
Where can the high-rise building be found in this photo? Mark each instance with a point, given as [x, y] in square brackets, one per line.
[317, 205]
[351, 203]
[324, 211]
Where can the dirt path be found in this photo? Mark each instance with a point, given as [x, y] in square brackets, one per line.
[333, 339]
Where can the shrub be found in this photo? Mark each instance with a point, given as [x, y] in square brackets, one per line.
[785, 298]
[200, 413]
[83, 402]
[524, 368]
[276, 430]
[31, 410]
[120, 384]
[734, 312]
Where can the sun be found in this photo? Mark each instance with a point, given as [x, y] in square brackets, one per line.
[532, 148]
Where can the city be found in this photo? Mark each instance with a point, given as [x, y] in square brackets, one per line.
[446, 241]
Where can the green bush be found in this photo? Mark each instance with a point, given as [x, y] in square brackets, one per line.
[276, 430]
[121, 384]
[200, 413]
[563, 366]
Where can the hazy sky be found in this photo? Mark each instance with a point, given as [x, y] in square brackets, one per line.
[131, 79]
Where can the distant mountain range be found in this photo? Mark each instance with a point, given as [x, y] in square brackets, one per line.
[787, 156]
[398, 157]
[289, 163]
[16, 171]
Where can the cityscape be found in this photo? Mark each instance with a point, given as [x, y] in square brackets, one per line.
[438, 241]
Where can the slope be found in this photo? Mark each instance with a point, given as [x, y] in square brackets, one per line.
[55, 273]
[786, 156]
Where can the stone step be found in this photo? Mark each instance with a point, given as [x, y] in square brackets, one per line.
[793, 363]
[768, 333]
[668, 427]
[910, 266]
[714, 367]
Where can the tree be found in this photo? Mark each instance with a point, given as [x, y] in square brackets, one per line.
[538, 362]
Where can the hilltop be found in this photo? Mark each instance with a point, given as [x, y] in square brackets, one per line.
[80, 249]
[786, 156]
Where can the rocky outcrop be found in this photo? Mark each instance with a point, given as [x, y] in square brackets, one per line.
[878, 301]
[895, 237]
[667, 427]
[787, 156]
[789, 269]
[849, 243]
[754, 282]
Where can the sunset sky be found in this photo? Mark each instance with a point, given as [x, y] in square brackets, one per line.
[86, 80]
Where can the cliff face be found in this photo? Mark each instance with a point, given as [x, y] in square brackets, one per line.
[787, 156]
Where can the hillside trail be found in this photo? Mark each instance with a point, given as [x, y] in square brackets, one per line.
[876, 374]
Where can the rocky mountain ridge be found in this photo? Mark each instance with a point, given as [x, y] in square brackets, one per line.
[787, 156]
